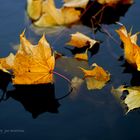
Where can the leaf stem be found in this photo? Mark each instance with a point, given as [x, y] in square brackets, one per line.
[68, 80]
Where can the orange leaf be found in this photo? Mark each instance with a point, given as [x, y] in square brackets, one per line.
[80, 40]
[96, 78]
[33, 64]
[131, 49]
[50, 15]
[34, 8]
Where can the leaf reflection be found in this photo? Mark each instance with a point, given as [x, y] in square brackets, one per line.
[96, 14]
[135, 80]
[36, 99]
[5, 78]
[93, 50]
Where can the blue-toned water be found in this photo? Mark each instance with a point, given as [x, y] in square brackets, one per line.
[83, 115]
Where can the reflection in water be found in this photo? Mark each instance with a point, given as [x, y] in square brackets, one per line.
[5, 78]
[36, 99]
[93, 50]
[135, 80]
[102, 14]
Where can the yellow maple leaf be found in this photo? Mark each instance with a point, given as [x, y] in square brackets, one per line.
[52, 16]
[7, 62]
[34, 8]
[76, 3]
[70, 15]
[96, 78]
[53, 13]
[80, 40]
[131, 49]
[132, 100]
[33, 64]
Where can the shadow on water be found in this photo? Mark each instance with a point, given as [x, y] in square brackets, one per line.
[93, 50]
[135, 80]
[5, 79]
[96, 13]
[36, 99]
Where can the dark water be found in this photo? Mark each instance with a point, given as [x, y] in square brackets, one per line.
[85, 115]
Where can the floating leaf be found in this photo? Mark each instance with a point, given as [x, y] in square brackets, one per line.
[34, 8]
[76, 3]
[131, 49]
[52, 16]
[132, 100]
[80, 40]
[70, 15]
[33, 64]
[96, 78]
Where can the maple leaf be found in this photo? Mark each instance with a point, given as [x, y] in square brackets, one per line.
[34, 8]
[132, 100]
[96, 78]
[80, 40]
[76, 3]
[131, 49]
[52, 16]
[33, 64]
[70, 15]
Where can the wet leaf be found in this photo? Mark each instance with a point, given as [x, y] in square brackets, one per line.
[131, 49]
[80, 40]
[33, 64]
[132, 100]
[76, 3]
[96, 78]
[52, 16]
[34, 8]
